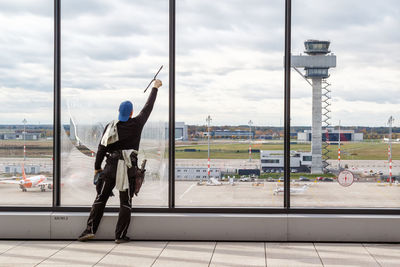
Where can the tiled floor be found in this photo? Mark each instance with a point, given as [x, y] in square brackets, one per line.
[181, 254]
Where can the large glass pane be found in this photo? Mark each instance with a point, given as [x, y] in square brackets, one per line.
[230, 69]
[26, 102]
[110, 52]
[349, 54]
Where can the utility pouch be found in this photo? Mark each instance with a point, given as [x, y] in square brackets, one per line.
[139, 177]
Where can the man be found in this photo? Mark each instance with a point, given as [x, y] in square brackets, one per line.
[120, 144]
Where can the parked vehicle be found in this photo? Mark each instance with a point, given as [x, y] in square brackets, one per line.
[304, 179]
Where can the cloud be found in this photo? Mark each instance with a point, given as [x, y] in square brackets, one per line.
[229, 58]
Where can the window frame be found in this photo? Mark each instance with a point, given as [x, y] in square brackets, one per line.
[285, 209]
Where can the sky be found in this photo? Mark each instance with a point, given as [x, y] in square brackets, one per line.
[229, 59]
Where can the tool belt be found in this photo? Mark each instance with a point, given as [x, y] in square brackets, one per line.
[135, 175]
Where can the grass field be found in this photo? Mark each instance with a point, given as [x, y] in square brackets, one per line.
[349, 151]
[34, 149]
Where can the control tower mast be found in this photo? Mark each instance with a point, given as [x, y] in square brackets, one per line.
[316, 65]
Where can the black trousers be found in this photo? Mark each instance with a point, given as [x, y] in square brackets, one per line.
[104, 188]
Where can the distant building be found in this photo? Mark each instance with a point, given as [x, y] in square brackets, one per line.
[19, 136]
[181, 131]
[232, 134]
[333, 136]
[17, 169]
[196, 173]
[273, 161]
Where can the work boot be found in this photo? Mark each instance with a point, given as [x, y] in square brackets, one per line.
[86, 235]
[125, 239]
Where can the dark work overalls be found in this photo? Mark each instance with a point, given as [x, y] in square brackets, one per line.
[129, 134]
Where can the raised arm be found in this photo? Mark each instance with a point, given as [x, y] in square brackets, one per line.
[148, 107]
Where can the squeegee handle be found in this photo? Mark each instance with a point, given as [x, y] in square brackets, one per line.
[155, 76]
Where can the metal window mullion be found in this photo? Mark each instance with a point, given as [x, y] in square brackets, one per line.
[57, 104]
[171, 162]
[288, 5]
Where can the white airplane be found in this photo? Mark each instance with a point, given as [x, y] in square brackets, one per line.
[293, 190]
[30, 182]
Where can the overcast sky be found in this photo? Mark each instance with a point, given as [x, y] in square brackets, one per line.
[229, 60]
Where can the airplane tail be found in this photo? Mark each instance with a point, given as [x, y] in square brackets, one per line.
[23, 171]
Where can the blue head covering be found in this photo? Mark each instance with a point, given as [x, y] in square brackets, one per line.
[125, 110]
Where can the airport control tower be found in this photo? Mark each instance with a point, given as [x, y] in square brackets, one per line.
[316, 65]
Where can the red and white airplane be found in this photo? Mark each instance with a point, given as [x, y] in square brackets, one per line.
[31, 182]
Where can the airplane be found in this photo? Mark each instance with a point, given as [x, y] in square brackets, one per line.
[293, 190]
[30, 182]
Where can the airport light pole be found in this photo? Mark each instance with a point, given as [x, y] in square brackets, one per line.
[208, 119]
[24, 122]
[390, 122]
[250, 123]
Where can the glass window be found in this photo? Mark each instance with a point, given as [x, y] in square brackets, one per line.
[26, 102]
[229, 69]
[348, 113]
[110, 52]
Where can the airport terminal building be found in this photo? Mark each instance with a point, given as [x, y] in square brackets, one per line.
[273, 161]
[332, 135]
[232, 134]
[196, 173]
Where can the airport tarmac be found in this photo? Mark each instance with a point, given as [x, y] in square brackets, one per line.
[77, 188]
[243, 194]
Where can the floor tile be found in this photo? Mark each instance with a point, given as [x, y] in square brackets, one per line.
[239, 254]
[186, 254]
[344, 254]
[80, 253]
[385, 254]
[292, 254]
[8, 244]
[31, 252]
[133, 254]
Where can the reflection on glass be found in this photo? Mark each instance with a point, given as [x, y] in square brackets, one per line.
[229, 102]
[26, 94]
[118, 53]
[341, 114]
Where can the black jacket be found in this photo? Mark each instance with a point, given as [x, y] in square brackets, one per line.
[129, 132]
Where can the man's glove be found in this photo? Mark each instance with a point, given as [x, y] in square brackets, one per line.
[96, 177]
[157, 83]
